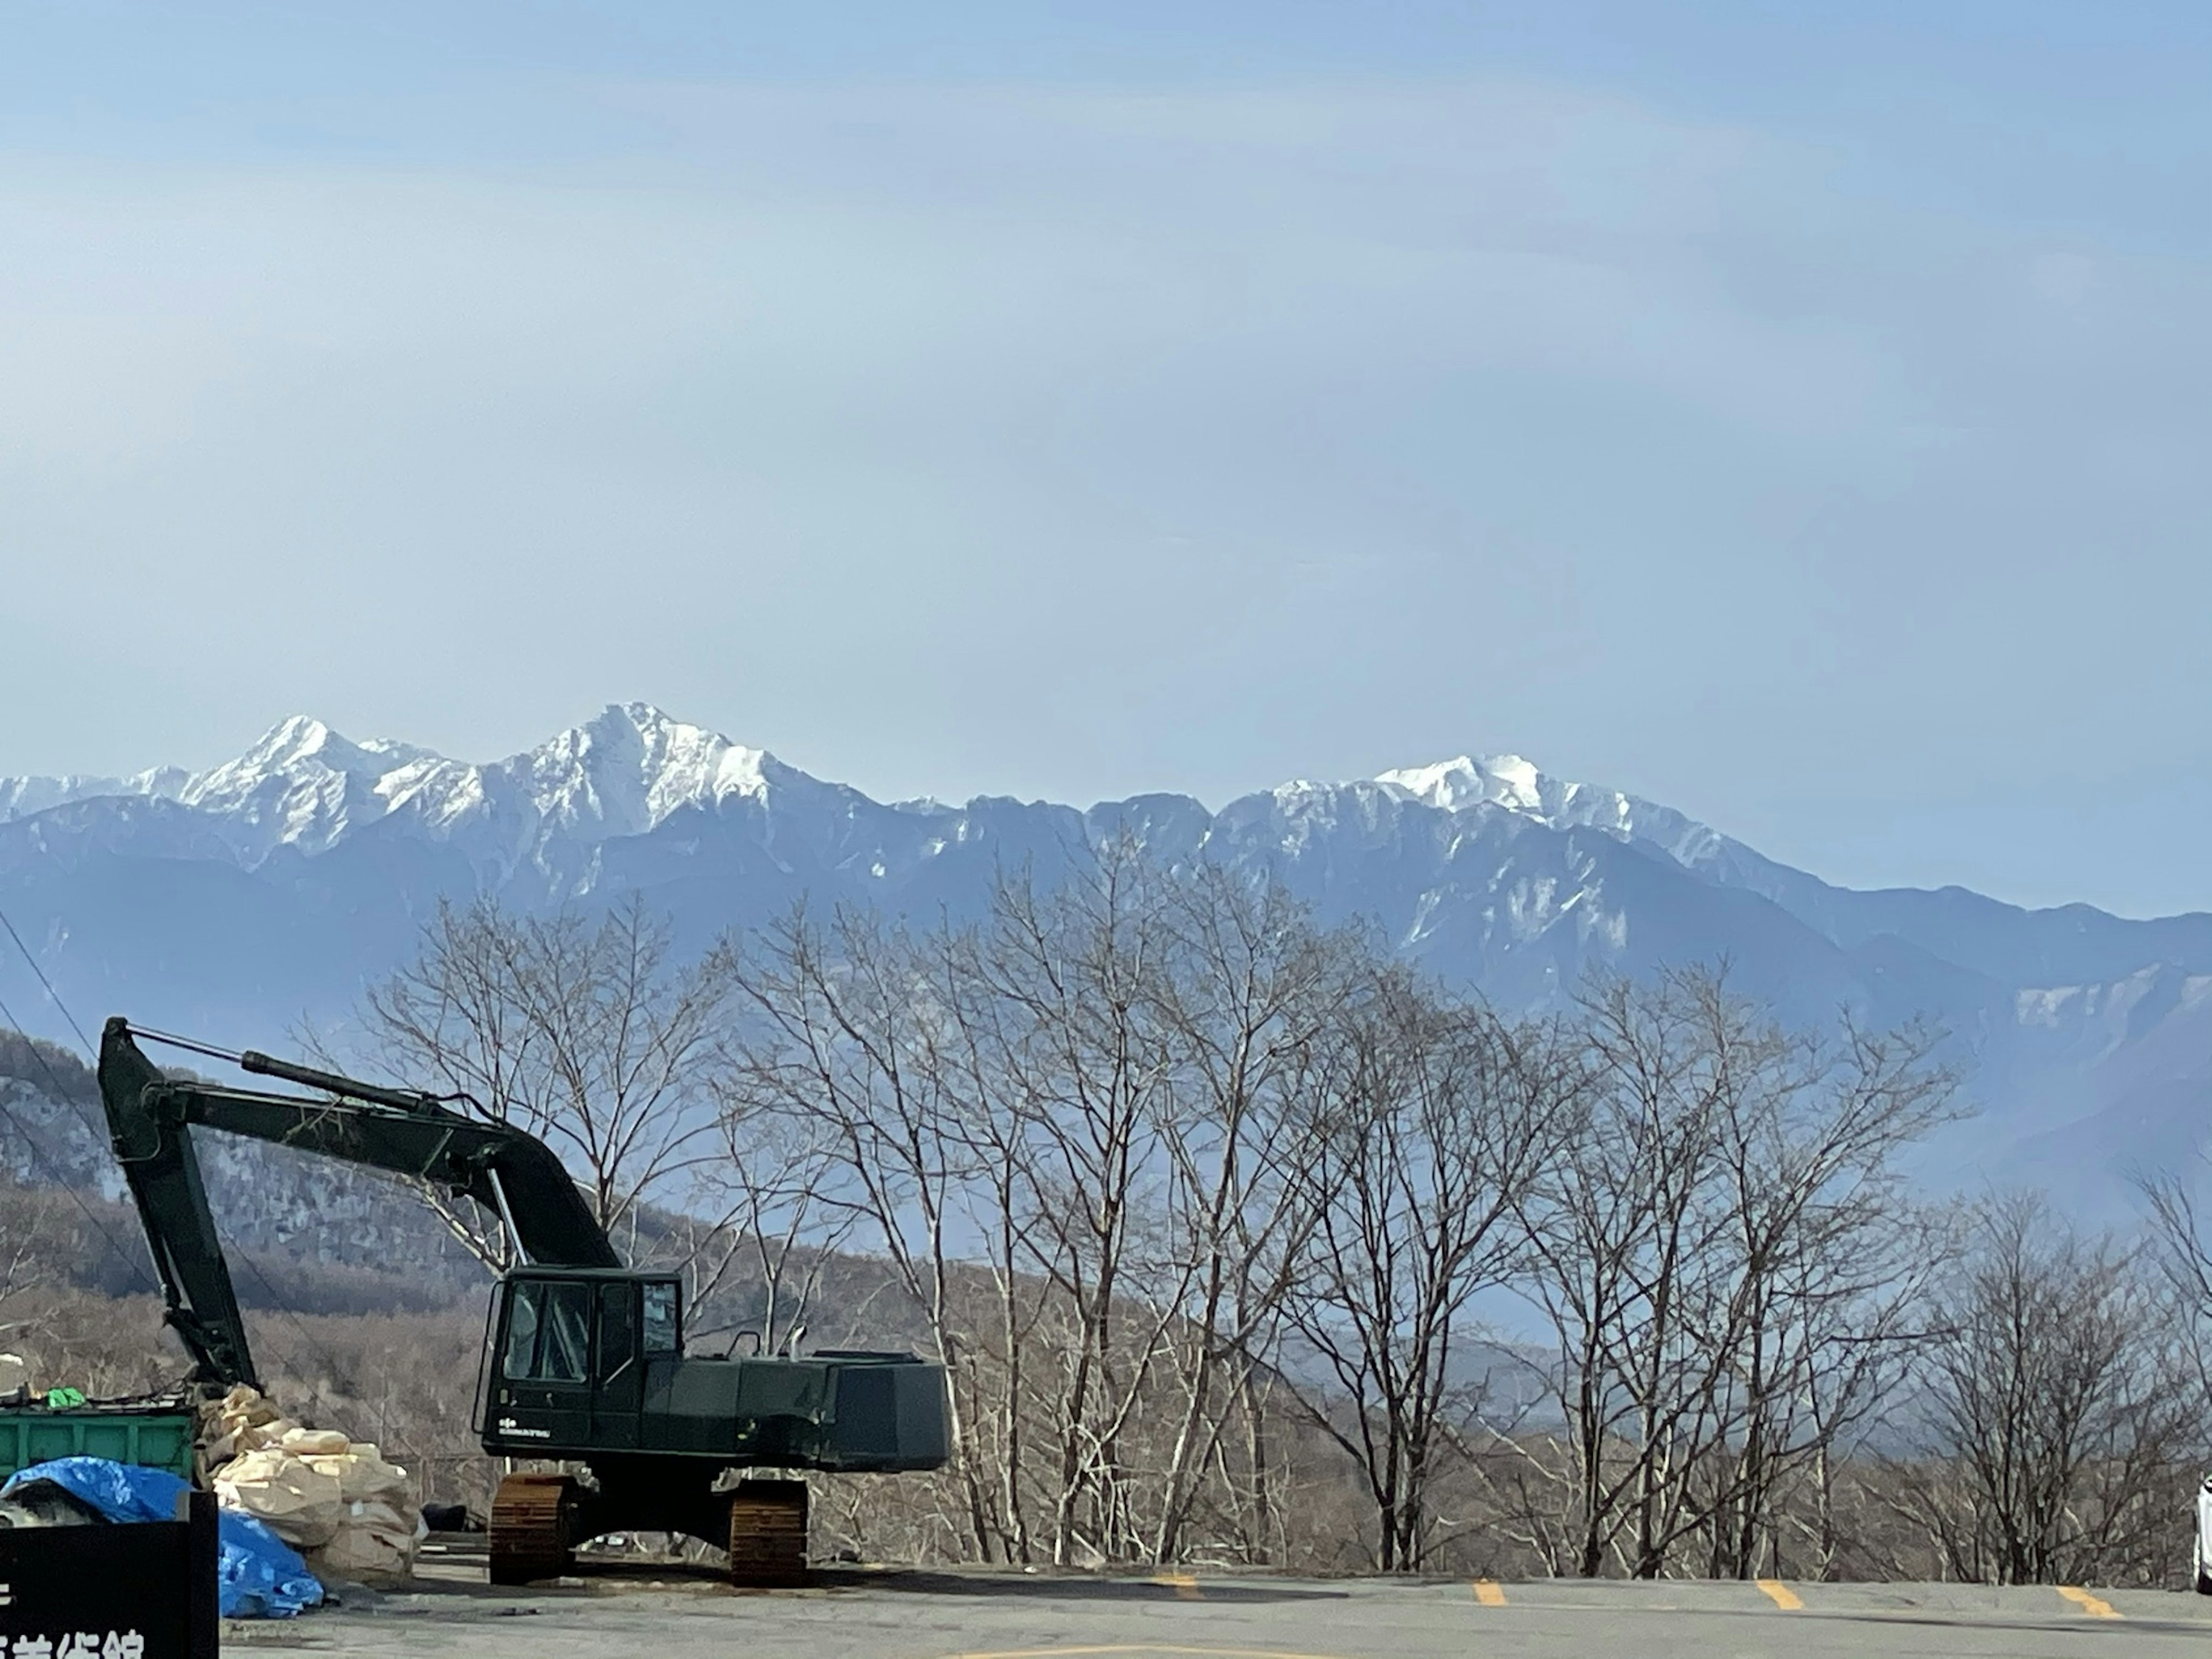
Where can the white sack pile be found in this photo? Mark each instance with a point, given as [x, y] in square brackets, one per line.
[334, 1500]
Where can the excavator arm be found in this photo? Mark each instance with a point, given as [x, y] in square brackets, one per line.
[150, 1116]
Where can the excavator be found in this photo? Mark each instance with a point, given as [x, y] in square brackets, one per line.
[584, 1361]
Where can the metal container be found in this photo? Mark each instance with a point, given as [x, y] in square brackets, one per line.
[156, 1437]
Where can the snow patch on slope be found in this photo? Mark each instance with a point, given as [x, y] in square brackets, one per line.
[21, 797]
[1514, 783]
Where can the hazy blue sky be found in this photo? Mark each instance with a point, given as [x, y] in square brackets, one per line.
[1796, 412]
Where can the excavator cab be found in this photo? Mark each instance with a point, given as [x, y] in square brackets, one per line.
[567, 1351]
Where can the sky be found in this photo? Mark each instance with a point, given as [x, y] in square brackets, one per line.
[1796, 413]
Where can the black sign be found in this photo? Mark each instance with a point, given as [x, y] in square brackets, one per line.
[145, 1590]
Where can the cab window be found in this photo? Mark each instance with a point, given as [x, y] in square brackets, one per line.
[562, 1353]
[548, 1331]
[618, 1329]
[522, 1311]
[663, 1332]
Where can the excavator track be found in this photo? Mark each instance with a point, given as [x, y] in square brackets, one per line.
[768, 1534]
[531, 1528]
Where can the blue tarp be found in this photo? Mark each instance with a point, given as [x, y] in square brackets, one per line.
[259, 1576]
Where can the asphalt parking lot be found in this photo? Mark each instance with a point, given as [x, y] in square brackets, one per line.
[666, 1614]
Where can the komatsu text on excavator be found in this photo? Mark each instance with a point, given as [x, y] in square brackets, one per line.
[584, 1360]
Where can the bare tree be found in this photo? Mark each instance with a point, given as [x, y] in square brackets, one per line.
[1432, 1117]
[1071, 1125]
[1253, 992]
[1195, 1200]
[590, 1034]
[843, 1035]
[1628, 1250]
[1079, 1075]
[2058, 1417]
[763, 1226]
[1726, 1255]
[2181, 1251]
[1831, 1253]
[25, 1238]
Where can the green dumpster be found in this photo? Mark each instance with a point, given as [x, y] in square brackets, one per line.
[159, 1437]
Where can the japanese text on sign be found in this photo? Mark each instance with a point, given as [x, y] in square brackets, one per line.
[75, 1644]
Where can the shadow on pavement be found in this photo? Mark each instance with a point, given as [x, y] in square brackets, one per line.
[1060, 1587]
[596, 1575]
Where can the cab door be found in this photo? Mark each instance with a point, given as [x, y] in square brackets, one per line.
[544, 1393]
[617, 1369]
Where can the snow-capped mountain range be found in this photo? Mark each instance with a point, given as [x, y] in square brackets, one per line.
[234, 901]
[305, 788]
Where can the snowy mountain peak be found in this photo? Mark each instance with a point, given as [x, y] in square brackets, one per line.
[299, 746]
[624, 772]
[1497, 780]
[1514, 783]
[302, 740]
[1509, 782]
[293, 740]
[303, 785]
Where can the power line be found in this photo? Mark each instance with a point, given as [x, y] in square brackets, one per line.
[51, 994]
[61, 1095]
[53, 1176]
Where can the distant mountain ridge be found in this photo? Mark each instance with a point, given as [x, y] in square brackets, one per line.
[235, 900]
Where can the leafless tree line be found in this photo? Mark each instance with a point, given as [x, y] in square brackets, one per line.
[1241, 1242]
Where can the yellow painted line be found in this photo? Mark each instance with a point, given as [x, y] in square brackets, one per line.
[1487, 1593]
[2095, 1606]
[1184, 1584]
[1781, 1595]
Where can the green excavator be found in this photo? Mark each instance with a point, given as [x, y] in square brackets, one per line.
[584, 1361]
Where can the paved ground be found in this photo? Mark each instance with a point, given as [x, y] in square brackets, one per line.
[642, 1613]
